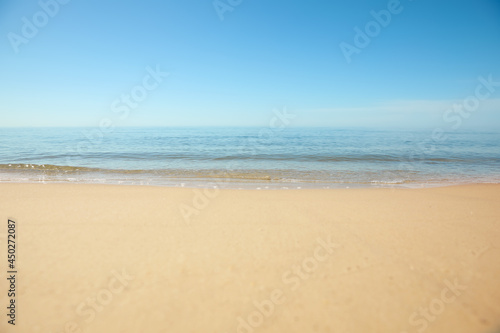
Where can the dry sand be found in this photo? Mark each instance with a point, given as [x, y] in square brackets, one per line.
[99, 258]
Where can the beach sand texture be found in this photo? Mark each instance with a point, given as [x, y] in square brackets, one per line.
[103, 258]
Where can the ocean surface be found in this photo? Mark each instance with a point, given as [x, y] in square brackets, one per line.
[263, 158]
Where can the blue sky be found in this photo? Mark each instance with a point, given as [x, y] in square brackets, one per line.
[263, 55]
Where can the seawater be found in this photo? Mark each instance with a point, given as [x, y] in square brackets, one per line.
[252, 157]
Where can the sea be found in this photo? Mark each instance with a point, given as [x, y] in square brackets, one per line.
[249, 157]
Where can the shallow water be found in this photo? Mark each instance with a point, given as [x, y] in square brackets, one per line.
[249, 157]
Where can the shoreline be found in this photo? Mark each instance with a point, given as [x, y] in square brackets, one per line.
[220, 183]
[262, 173]
[274, 187]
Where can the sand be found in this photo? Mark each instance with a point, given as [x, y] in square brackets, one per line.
[102, 258]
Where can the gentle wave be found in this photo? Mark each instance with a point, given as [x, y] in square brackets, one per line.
[362, 158]
[44, 167]
[223, 178]
[49, 169]
[239, 156]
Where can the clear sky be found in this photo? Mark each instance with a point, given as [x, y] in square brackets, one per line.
[75, 65]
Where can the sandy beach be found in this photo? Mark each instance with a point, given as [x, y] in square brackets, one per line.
[103, 258]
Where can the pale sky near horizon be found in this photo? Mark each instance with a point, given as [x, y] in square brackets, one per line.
[77, 63]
